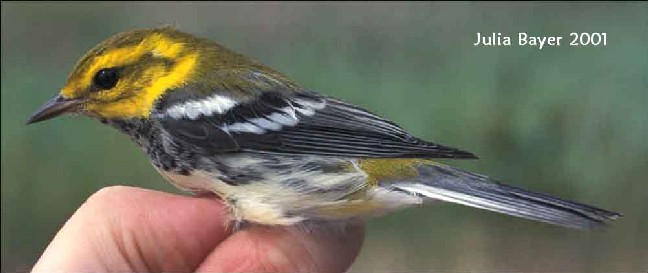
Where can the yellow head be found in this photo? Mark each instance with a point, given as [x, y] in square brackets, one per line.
[123, 76]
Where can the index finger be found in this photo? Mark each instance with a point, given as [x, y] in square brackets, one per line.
[126, 229]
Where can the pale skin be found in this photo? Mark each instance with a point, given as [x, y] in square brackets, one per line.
[125, 229]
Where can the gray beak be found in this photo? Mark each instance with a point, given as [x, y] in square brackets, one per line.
[53, 108]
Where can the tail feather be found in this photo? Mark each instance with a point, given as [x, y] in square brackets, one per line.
[449, 184]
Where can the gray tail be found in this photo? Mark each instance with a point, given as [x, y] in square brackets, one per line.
[449, 184]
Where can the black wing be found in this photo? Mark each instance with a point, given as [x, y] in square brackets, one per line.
[302, 123]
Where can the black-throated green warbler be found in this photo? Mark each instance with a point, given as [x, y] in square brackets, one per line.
[277, 153]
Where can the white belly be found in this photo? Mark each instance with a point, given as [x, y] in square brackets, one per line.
[319, 196]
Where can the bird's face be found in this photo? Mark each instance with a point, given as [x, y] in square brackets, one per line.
[124, 75]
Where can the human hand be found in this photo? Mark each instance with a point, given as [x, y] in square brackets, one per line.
[127, 229]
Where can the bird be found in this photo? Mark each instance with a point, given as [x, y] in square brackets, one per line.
[212, 120]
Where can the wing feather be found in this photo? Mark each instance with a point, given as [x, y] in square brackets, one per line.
[302, 123]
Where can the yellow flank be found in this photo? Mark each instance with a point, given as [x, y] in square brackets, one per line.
[379, 169]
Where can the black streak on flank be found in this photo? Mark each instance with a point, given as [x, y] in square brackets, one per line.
[238, 177]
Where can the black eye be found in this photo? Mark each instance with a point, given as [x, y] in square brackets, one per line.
[106, 78]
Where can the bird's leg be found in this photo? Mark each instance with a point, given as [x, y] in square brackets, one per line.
[237, 222]
[202, 194]
[240, 224]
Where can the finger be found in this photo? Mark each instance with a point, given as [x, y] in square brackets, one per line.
[287, 249]
[130, 229]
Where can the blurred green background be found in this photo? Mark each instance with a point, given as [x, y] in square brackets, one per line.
[570, 121]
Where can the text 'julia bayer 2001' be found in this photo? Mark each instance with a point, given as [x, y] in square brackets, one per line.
[540, 42]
